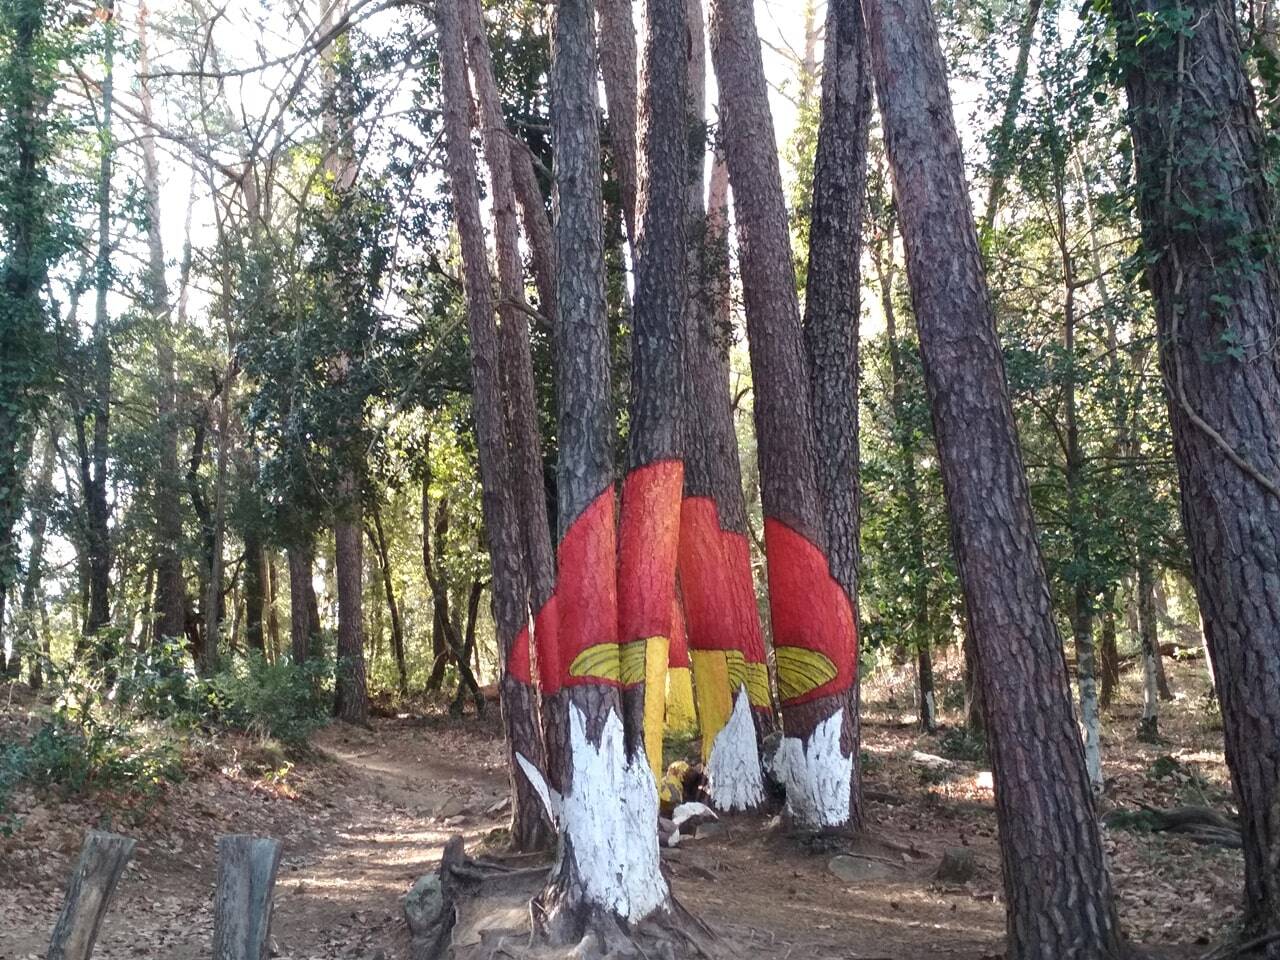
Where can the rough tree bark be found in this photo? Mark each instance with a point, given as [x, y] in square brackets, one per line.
[813, 623]
[607, 878]
[649, 527]
[301, 629]
[351, 691]
[617, 52]
[1059, 899]
[725, 643]
[832, 303]
[521, 398]
[502, 522]
[1207, 215]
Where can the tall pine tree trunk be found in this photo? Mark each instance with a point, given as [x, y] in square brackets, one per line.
[498, 483]
[725, 643]
[617, 52]
[814, 632]
[649, 529]
[1059, 900]
[351, 694]
[32, 587]
[605, 802]
[1207, 213]
[832, 304]
[521, 401]
[167, 512]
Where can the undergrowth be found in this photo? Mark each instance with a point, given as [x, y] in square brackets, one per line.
[124, 731]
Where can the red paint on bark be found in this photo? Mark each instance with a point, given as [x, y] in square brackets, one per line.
[678, 651]
[715, 574]
[809, 608]
[584, 609]
[647, 544]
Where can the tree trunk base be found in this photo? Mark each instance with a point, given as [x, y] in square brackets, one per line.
[479, 909]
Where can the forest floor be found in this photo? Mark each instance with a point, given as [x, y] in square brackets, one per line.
[368, 812]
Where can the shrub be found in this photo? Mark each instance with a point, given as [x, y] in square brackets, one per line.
[278, 700]
[961, 743]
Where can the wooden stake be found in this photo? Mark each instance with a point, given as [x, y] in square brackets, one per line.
[242, 904]
[102, 862]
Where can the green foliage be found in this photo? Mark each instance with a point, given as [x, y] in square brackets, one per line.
[278, 701]
[961, 743]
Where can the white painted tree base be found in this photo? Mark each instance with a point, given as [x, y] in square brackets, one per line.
[733, 768]
[608, 821]
[818, 778]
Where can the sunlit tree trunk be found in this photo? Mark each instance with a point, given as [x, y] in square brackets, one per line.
[1058, 891]
[33, 586]
[814, 632]
[521, 401]
[604, 800]
[617, 53]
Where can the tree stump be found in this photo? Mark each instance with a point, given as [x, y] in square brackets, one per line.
[242, 904]
[102, 862]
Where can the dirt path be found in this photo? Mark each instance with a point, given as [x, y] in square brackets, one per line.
[362, 821]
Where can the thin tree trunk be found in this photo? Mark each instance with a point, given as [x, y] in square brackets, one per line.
[95, 452]
[378, 538]
[273, 609]
[1206, 207]
[617, 51]
[814, 632]
[351, 691]
[1058, 891]
[33, 585]
[507, 552]
[1110, 658]
[521, 401]
[167, 512]
[255, 590]
[832, 304]
[209, 651]
[1162, 616]
[1001, 161]
[1149, 724]
[1082, 592]
[441, 645]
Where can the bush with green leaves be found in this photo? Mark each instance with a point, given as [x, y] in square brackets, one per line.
[284, 701]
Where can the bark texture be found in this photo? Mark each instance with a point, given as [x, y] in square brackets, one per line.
[1059, 899]
[815, 664]
[617, 52]
[651, 493]
[351, 691]
[832, 304]
[502, 522]
[1208, 224]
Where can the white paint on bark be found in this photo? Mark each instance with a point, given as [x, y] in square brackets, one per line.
[609, 818]
[733, 768]
[818, 777]
[610, 821]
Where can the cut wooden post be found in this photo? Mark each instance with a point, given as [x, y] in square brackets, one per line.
[102, 861]
[242, 904]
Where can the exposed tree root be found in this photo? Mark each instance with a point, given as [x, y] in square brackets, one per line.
[484, 909]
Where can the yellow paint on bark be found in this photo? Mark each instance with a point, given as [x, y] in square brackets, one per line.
[655, 700]
[713, 693]
[682, 717]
